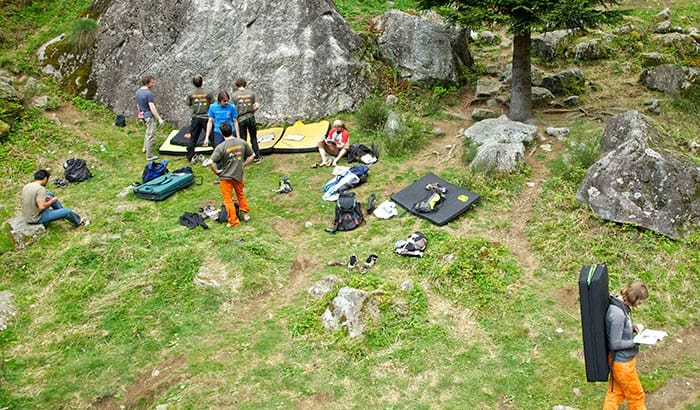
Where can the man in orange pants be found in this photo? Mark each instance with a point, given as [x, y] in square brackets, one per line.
[234, 154]
[624, 382]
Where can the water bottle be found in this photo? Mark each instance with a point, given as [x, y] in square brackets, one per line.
[102, 147]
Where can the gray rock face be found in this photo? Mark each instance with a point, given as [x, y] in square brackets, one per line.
[635, 184]
[300, 57]
[24, 234]
[500, 144]
[550, 44]
[566, 81]
[595, 49]
[403, 43]
[674, 81]
[625, 126]
[346, 311]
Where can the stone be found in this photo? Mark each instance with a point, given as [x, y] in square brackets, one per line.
[594, 49]
[487, 87]
[499, 144]
[24, 234]
[652, 59]
[7, 309]
[636, 184]
[323, 286]
[566, 81]
[550, 44]
[481, 114]
[402, 42]
[557, 132]
[345, 311]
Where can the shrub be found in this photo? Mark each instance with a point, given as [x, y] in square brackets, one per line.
[372, 114]
[82, 34]
[581, 152]
[409, 138]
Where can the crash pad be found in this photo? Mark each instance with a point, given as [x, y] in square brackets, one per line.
[457, 199]
[176, 144]
[301, 137]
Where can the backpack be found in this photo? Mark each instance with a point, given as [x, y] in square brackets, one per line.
[120, 120]
[75, 170]
[348, 213]
[154, 169]
[414, 245]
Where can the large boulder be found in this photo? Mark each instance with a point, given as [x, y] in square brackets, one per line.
[672, 80]
[300, 56]
[636, 184]
[569, 81]
[424, 48]
[499, 143]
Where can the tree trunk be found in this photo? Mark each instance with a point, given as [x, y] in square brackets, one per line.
[521, 89]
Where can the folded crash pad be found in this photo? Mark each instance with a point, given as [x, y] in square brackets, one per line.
[457, 199]
[301, 137]
[267, 138]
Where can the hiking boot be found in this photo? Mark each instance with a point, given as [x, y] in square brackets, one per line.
[371, 260]
[352, 263]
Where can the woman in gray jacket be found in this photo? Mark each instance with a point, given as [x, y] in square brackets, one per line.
[624, 381]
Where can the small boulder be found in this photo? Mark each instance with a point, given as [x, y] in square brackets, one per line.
[23, 233]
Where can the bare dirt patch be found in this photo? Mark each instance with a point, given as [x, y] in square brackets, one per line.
[143, 392]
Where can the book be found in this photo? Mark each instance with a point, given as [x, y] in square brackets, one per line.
[650, 337]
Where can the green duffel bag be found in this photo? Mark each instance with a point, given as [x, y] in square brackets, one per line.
[165, 185]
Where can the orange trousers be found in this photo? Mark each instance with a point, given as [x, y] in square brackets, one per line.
[624, 384]
[228, 187]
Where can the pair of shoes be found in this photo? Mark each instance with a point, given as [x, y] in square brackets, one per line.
[60, 182]
[84, 222]
[153, 158]
[258, 160]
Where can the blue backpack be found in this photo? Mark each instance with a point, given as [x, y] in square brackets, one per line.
[154, 169]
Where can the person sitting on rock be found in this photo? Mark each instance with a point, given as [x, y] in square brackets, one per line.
[40, 206]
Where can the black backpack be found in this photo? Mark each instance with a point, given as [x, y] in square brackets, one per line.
[76, 170]
[348, 213]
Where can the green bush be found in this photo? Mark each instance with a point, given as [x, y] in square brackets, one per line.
[581, 152]
[411, 136]
[83, 34]
[372, 114]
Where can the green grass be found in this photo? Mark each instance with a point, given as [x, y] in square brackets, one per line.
[482, 327]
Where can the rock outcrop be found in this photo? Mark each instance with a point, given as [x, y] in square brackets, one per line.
[300, 56]
[636, 184]
[424, 48]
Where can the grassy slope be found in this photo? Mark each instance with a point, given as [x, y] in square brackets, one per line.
[101, 309]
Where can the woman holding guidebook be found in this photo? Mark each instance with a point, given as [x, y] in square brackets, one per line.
[624, 381]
